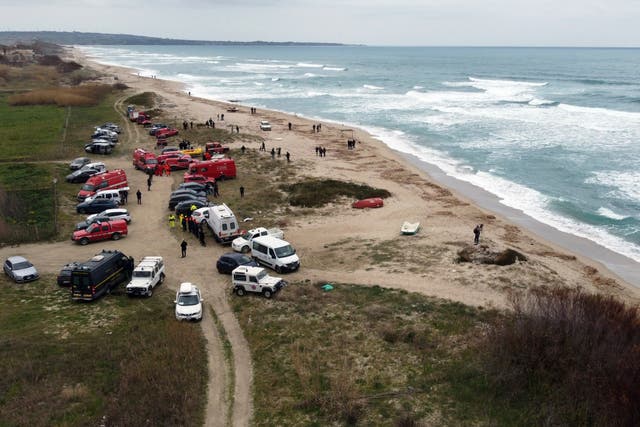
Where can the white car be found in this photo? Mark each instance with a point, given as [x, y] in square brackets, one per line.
[109, 214]
[265, 125]
[147, 275]
[20, 270]
[188, 302]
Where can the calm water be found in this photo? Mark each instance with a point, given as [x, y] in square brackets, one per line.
[554, 133]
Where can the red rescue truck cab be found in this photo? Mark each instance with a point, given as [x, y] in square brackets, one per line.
[219, 168]
[144, 160]
[110, 180]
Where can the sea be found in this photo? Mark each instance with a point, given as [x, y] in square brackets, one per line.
[551, 132]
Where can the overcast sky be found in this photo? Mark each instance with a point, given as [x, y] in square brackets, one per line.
[374, 22]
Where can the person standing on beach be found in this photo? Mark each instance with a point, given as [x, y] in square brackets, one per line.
[476, 233]
[262, 147]
[317, 150]
[289, 125]
[314, 128]
[139, 196]
[241, 191]
[149, 184]
[288, 156]
[273, 153]
[183, 246]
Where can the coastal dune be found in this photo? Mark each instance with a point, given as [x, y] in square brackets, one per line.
[340, 244]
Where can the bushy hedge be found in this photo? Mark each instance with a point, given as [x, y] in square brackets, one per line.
[316, 193]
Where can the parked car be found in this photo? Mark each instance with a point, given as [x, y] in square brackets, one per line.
[98, 148]
[194, 186]
[81, 175]
[231, 260]
[78, 163]
[107, 215]
[243, 243]
[193, 192]
[166, 132]
[183, 198]
[20, 269]
[255, 279]
[101, 231]
[110, 214]
[178, 163]
[148, 274]
[200, 179]
[111, 126]
[64, 277]
[184, 208]
[166, 150]
[265, 125]
[156, 127]
[96, 206]
[99, 275]
[275, 253]
[188, 302]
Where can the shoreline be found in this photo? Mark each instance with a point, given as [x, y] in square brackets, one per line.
[609, 263]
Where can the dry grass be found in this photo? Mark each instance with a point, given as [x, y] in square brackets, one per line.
[574, 353]
[82, 96]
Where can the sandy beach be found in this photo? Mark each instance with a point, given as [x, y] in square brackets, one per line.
[330, 240]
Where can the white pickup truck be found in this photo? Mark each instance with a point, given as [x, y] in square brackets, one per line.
[255, 279]
[243, 243]
[146, 276]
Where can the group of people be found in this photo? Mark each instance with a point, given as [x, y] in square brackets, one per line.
[185, 125]
[351, 144]
[210, 123]
[189, 223]
[162, 170]
[321, 151]
[316, 128]
[185, 144]
[253, 110]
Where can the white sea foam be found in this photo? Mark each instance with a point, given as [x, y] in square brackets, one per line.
[417, 87]
[623, 184]
[517, 196]
[372, 87]
[310, 75]
[309, 65]
[610, 214]
[334, 69]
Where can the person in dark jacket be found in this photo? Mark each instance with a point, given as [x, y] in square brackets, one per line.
[183, 246]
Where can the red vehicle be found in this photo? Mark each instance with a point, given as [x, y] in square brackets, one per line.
[101, 231]
[142, 117]
[166, 133]
[373, 202]
[219, 168]
[145, 122]
[205, 180]
[110, 180]
[181, 162]
[215, 147]
[144, 160]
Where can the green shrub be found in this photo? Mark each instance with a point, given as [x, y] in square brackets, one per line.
[316, 193]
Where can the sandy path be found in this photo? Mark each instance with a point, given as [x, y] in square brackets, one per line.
[149, 234]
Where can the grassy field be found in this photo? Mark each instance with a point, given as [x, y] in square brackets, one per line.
[116, 361]
[367, 356]
[37, 132]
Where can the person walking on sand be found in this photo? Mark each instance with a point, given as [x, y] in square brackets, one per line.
[288, 156]
[476, 233]
[149, 184]
[172, 221]
[262, 147]
[183, 246]
[241, 191]
[183, 222]
[167, 169]
[125, 196]
[273, 153]
[139, 196]
[314, 128]
[289, 125]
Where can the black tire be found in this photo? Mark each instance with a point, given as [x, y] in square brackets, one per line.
[245, 249]
[221, 178]
[161, 281]
[82, 211]
[267, 293]
[277, 269]
[149, 292]
[84, 241]
[116, 236]
[240, 291]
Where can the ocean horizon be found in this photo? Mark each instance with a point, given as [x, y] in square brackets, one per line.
[551, 132]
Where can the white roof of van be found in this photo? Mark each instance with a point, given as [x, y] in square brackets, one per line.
[187, 288]
[272, 242]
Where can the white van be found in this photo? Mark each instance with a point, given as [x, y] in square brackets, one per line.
[275, 253]
[107, 195]
[221, 220]
[99, 166]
